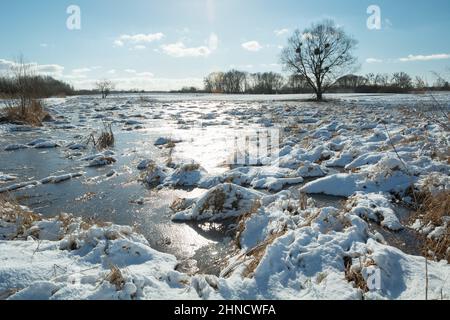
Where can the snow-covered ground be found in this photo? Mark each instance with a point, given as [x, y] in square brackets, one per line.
[282, 240]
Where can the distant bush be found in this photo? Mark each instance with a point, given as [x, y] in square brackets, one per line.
[39, 86]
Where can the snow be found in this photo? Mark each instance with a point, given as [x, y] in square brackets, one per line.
[13, 147]
[376, 207]
[284, 247]
[61, 178]
[101, 161]
[387, 175]
[144, 164]
[186, 175]
[76, 146]
[6, 177]
[46, 145]
[365, 159]
[44, 271]
[404, 276]
[163, 141]
[221, 202]
[33, 183]
[341, 184]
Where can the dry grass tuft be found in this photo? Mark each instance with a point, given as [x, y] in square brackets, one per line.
[216, 201]
[178, 204]
[190, 167]
[115, 277]
[303, 201]
[355, 276]
[105, 140]
[88, 223]
[12, 212]
[33, 113]
[434, 209]
[241, 222]
[257, 253]
[24, 219]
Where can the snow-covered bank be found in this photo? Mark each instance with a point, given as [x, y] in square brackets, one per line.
[285, 253]
[68, 258]
[283, 243]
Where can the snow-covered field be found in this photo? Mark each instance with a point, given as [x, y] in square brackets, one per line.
[168, 212]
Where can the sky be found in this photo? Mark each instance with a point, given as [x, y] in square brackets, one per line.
[167, 44]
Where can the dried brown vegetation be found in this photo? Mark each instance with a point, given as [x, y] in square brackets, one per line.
[257, 253]
[22, 105]
[105, 140]
[32, 114]
[116, 278]
[12, 212]
[354, 275]
[434, 210]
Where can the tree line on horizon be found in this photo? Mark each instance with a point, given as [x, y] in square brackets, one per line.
[241, 82]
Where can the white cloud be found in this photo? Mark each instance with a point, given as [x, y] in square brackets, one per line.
[430, 57]
[281, 32]
[75, 76]
[81, 70]
[48, 69]
[136, 39]
[179, 49]
[139, 74]
[112, 71]
[118, 43]
[6, 65]
[43, 45]
[44, 69]
[373, 60]
[252, 46]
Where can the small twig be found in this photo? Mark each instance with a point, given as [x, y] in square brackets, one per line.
[426, 279]
[403, 163]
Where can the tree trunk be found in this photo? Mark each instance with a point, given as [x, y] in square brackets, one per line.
[319, 95]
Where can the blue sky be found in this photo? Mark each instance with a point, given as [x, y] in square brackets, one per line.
[160, 45]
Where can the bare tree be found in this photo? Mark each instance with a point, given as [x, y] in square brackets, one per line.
[440, 82]
[370, 79]
[420, 83]
[402, 80]
[104, 87]
[321, 54]
[22, 104]
[382, 80]
[214, 82]
[23, 76]
[350, 81]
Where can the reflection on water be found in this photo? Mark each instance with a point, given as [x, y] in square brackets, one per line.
[119, 196]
